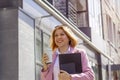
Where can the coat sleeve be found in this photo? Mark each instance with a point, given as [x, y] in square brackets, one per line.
[87, 72]
[46, 75]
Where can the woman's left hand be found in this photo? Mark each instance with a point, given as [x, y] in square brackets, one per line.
[63, 75]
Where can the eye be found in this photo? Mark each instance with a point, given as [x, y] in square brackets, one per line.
[62, 34]
[56, 35]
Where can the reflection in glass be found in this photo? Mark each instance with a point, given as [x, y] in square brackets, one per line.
[95, 69]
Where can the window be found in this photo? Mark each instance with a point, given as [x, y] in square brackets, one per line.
[42, 45]
[112, 32]
[74, 10]
[109, 26]
[38, 52]
[43, 28]
[114, 35]
[95, 69]
[118, 39]
[61, 6]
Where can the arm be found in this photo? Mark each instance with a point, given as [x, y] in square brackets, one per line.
[87, 73]
[46, 74]
[46, 70]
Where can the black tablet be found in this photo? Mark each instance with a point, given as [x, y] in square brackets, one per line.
[70, 62]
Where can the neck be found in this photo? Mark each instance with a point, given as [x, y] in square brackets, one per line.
[63, 49]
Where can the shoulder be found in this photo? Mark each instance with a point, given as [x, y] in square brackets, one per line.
[80, 50]
[83, 53]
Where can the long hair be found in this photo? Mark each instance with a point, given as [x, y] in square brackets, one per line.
[68, 32]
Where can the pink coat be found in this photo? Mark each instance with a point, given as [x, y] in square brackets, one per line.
[87, 73]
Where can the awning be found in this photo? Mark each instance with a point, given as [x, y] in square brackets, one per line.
[115, 67]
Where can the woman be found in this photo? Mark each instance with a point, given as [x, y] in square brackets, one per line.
[62, 42]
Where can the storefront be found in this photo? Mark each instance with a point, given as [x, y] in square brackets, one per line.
[115, 69]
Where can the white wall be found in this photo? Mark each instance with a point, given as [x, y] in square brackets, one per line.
[95, 24]
[26, 51]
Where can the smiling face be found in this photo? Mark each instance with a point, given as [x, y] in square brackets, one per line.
[61, 39]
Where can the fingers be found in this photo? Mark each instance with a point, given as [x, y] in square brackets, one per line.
[63, 75]
[45, 58]
[62, 71]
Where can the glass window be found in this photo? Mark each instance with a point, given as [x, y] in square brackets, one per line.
[38, 45]
[38, 51]
[46, 41]
[81, 5]
[46, 46]
[61, 6]
[43, 29]
[118, 37]
[74, 10]
[95, 69]
[109, 25]
[42, 44]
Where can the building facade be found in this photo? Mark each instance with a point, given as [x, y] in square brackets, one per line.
[26, 25]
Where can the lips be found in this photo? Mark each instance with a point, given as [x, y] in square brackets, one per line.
[59, 42]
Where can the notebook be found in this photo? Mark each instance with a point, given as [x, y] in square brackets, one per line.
[70, 62]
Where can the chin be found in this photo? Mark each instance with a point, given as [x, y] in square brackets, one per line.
[60, 46]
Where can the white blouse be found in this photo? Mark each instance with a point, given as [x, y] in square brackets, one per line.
[56, 68]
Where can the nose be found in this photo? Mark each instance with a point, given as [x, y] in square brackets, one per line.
[58, 36]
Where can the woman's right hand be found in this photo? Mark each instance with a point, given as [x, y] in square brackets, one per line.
[45, 59]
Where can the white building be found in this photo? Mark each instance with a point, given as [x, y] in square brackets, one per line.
[26, 25]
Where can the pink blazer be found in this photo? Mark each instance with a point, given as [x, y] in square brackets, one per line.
[87, 73]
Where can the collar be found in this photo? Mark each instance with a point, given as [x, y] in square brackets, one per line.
[69, 50]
